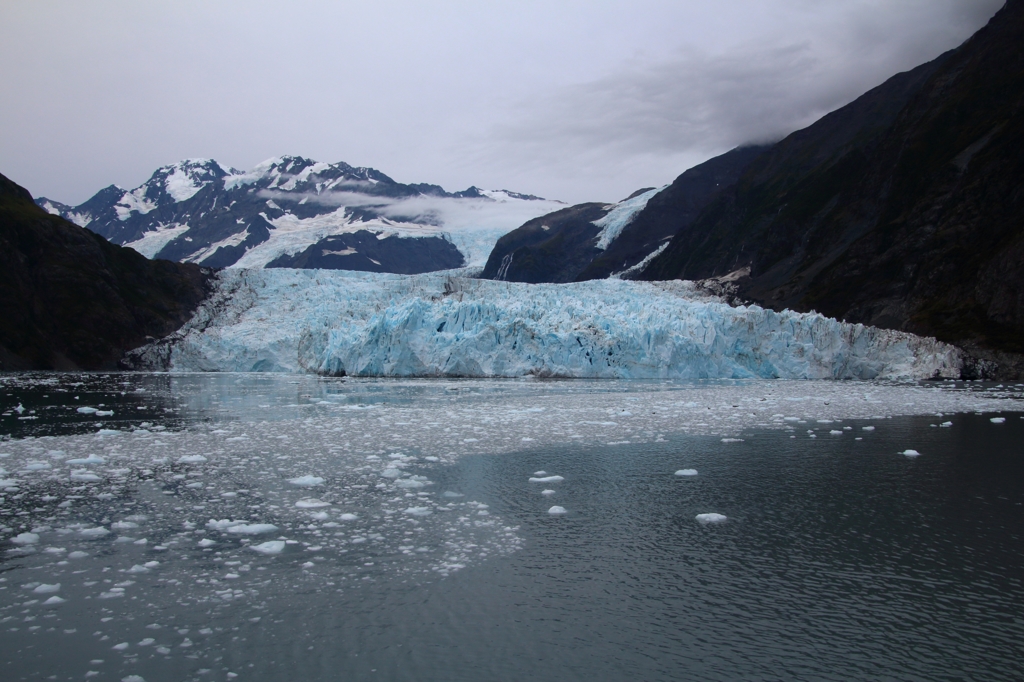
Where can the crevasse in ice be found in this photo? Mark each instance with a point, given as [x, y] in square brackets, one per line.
[366, 324]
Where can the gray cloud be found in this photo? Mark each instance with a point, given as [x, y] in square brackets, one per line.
[576, 100]
[700, 103]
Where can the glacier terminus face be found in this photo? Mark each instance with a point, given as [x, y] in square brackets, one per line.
[440, 325]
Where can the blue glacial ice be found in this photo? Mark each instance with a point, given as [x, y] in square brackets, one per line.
[439, 325]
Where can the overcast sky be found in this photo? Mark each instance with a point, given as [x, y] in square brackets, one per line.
[575, 100]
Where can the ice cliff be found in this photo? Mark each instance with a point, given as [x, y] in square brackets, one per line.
[366, 324]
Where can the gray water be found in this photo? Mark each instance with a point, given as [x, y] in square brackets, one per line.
[840, 559]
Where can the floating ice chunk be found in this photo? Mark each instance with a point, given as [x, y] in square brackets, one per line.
[91, 459]
[37, 466]
[997, 420]
[47, 589]
[306, 481]
[546, 479]
[311, 503]
[711, 518]
[135, 678]
[867, 428]
[97, 532]
[120, 647]
[834, 432]
[8, 482]
[556, 510]
[449, 493]
[108, 432]
[540, 473]
[732, 440]
[53, 601]
[86, 410]
[123, 525]
[547, 492]
[348, 517]
[113, 593]
[419, 511]
[252, 528]
[138, 569]
[25, 539]
[191, 459]
[77, 555]
[686, 472]
[413, 482]
[391, 473]
[104, 413]
[151, 564]
[911, 453]
[946, 425]
[222, 524]
[84, 476]
[147, 641]
[269, 547]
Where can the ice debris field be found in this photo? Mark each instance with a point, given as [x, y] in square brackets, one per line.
[137, 542]
[364, 324]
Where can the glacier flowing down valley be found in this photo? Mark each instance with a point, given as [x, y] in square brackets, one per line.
[437, 325]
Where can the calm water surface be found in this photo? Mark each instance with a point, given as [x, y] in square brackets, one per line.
[839, 559]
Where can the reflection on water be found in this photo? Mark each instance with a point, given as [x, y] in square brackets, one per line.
[281, 528]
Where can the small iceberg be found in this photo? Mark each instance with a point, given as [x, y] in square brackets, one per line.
[557, 511]
[911, 453]
[306, 481]
[546, 479]
[311, 503]
[191, 459]
[711, 518]
[269, 547]
[252, 528]
[686, 472]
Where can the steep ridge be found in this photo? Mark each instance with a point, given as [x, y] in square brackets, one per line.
[904, 209]
[70, 299]
[290, 211]
[594, 241]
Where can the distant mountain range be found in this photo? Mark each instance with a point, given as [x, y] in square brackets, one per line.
[903, 209]
[296, 212]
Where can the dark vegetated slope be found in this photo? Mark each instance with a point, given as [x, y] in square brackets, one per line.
[671, 210]
[562, 246]
[366, 252]
[69, 299]
[552, 248]
[904, 209]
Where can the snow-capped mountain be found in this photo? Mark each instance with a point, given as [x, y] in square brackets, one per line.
[295, 212]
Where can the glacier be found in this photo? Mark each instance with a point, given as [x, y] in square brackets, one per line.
[442, 325]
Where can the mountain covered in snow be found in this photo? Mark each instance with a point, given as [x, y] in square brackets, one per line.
[298, 213]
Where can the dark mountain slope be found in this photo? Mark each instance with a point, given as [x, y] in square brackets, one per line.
[916, 222]
[671, 210]
[552, 248]
[69, 299]
[565, 246]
